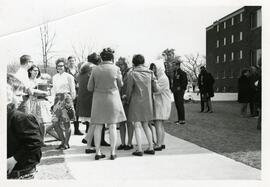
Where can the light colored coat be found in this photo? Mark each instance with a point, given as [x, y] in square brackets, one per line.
[163, 98]
[105, 82]
[139, 94]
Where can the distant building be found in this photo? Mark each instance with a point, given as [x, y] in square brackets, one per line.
[233, 43]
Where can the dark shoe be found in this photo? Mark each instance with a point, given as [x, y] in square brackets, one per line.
[121, 147]
[97, 157]
[137, 153]
[88, 151]
[84, 141]
[182, 122]
[128, 147]
[150, 152]
[67, 146]
[105, 144]
[158, 148]
[113, 157]
[163, 146]
[78, 133]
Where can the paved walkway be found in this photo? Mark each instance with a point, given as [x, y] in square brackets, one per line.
[180, 160]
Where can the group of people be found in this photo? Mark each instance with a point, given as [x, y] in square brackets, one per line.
[249, 93]
[98, 93]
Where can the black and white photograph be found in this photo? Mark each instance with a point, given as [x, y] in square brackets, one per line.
[134, 93]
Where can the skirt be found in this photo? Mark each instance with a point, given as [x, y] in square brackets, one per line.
[63, 108]
[40, 108]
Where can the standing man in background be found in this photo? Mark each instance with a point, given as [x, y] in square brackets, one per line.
[73, 70]
[179, 86]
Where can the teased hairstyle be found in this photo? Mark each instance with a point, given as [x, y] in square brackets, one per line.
[14, 83]
[94, 58]
[24, 59]
[137, 60]
[61, 60]
[107, 54]
[31, 68]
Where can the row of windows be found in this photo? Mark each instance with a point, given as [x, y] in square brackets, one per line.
[229, 74]
[240, 38]
[232, 57]
[232, 22]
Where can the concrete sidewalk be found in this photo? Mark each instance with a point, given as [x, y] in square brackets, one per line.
[180, 160]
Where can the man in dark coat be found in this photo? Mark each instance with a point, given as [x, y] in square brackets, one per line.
[206, 82]
[254, 77]
[179, 86]
[24, 139]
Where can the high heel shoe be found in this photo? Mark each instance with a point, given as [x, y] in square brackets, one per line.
[113, 157]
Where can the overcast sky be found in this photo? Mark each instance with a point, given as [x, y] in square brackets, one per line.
[129, 27]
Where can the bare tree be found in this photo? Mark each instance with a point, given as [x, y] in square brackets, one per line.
[82, 50]
[47, 42]
[192, 64]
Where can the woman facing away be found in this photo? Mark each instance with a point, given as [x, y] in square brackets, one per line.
[105, 82]
[84, 99]
[64, 92]
[162, 104]
[140, 83]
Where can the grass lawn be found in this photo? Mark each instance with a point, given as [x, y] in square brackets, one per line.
[223, 131]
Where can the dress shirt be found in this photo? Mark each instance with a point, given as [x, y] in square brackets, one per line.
[22, 75]
[64, 83]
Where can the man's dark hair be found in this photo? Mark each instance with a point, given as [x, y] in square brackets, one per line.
[24, 59]
[70, 57]
[94, 58]
[137, 60]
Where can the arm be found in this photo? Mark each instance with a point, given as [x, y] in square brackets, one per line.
[71, 83]
[130, 84]
[28, 133]
[119, 79]
[91, 82]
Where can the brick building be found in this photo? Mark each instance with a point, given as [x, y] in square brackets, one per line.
[233, 43]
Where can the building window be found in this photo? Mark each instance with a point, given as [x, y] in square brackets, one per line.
[217, 43]
[241, 36]
[231, 76]
[224, 24]
[256, 19]
[224, 41]
[241, 17]
[224, 75]
[232, 56]
[216, 75]
[240, 54]
[224, 58]
[232, 38]
[217, 28]
[232, 21]
[255, 57]
[217, 59]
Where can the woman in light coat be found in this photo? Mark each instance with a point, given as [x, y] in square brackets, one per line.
[162, 103]
[139, 96]
[105, 81]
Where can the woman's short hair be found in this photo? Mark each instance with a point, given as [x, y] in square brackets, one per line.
[152, 66]
[94, 58]
[61, 60]
[14, 83]
[137, 60]
[107, 54]
[31, 68]
[121, 60]
[24, 59]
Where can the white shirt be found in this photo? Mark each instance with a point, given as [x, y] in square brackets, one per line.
[64, 83]
[22, 75]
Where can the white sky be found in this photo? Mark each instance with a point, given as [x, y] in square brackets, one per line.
[129, 27]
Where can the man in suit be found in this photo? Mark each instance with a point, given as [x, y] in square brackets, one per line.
[179, 86]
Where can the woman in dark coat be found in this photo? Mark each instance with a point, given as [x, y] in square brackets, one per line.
[244, 91]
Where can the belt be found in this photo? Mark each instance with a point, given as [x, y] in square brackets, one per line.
[19, 173]
[105, 90]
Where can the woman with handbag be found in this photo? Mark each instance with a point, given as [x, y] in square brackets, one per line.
[140, 83]
[64, 91]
